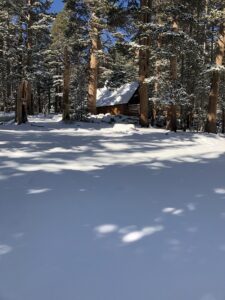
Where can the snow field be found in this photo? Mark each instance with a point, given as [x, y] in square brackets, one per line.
[110, 212]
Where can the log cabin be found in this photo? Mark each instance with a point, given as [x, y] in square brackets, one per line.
[120, 101]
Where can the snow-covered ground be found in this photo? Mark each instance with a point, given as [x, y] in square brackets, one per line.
[110, 212]
[6, 117]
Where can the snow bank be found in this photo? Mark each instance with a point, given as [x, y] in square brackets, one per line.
[124, 128]
[110, 119]
[6, 117]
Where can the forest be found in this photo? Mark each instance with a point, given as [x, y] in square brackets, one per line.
[173, 49]
[112, 150]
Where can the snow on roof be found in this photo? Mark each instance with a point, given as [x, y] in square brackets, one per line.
[121, 95]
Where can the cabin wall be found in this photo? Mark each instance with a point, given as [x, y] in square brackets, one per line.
[121, 109]
[134, 109]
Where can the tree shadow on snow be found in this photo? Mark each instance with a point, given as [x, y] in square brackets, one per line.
[105, 214]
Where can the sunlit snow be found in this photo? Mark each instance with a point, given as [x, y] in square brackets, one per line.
[97, 211]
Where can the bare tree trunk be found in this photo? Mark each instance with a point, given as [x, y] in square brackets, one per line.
[157, 66]
[21, 103]
[9, 84]
[66, 86]
[182, 69]
[212, 46]
[49, 100]
[29, 99]
[172, 118]
[57, 91]
[30, 105]
[173, 67]
[93, 77]
[152, 112]
[144, 66]
[205, 44]
[214, 92]
[173, 58]
[8, 67]
[19, 106]
[171, 113]
[4, 80]
[223, 120]
[39, 99]
[56, 102]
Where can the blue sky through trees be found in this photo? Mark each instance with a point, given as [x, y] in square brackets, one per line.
[57, 5]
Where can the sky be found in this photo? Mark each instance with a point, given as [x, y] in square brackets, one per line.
[57, 5]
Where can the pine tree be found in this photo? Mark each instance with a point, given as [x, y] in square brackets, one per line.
[145, 7]
[211, 125]
[66, 85]
[93, 77]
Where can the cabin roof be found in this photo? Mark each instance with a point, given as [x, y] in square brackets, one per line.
[121, 95]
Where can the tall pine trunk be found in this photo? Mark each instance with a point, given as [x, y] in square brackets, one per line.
[171, 113]
[214, 91]
[39, 108]
[93, 76]
[21, 102]
[173, 58]
[66, 86]
[205, 43]
[223, 120]
[30, 105]
[171, 117]
[8, 66]
[49, 100]
[144, 65]
[158, 64]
